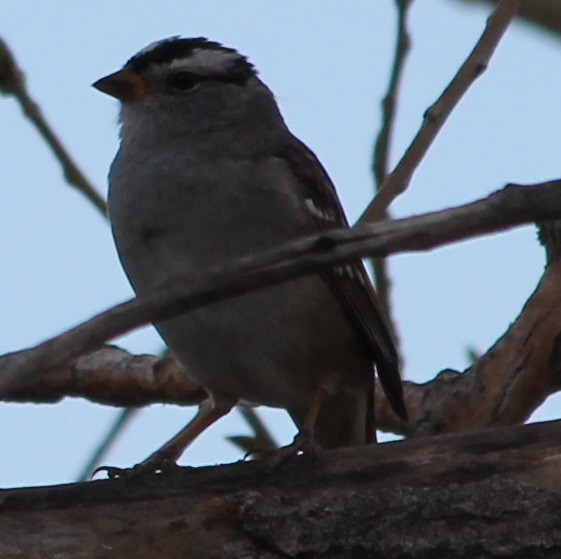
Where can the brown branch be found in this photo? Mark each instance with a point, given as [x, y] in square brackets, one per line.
[435, 117]
[12, 83]
[492, 493]
[514, 205]
[512, 379]
[503, 387]
[113, 376]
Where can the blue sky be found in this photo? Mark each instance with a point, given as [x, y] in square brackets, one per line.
[328, 64]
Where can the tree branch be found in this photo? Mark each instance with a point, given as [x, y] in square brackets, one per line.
[436, 115]
[115, 377]
[544, 14]
[12, 83]
[380, 159]
[514, 205]
[503, 387]
[477, 495]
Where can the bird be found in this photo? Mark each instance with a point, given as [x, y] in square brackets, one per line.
[208, 172]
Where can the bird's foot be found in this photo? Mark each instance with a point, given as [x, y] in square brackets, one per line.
[304, 442]
[155, 464]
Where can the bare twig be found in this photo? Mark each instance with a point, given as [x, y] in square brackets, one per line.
[435, 117]
[122, 420]
[544, 14]
[260, 440]
[12, 82]
[511, 206]
[380, 158]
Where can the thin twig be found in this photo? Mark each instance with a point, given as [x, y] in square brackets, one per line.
[380, 159]
[12, 82]
[514, 205]
[435, 117]
[260, 440]
[116, 429]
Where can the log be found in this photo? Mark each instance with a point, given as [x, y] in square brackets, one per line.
[493, 493]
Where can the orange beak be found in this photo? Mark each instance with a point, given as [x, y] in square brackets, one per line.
[123, 85]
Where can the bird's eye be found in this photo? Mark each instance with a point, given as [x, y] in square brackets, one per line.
[183, 80]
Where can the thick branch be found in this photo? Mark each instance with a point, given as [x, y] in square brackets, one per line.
[511, 206]
[436, 115]
[478, 495]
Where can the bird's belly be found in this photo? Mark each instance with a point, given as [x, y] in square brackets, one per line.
[270, 347]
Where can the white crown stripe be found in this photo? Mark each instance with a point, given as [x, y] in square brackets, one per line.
[212, 61]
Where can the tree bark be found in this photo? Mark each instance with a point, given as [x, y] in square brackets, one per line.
[493, 493]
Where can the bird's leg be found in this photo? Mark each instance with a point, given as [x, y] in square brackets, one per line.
[306, 436]
[171, 451]
[304, 441]
[165, 458]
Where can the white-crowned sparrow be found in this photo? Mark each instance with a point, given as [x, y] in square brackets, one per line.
[207, 171]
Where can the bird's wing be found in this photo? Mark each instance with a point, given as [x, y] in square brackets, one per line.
[349, 282]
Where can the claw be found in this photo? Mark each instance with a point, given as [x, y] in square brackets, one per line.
[304, 442]
[155, 465]
[112, 471]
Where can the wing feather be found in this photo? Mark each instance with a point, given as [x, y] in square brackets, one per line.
[350, 282]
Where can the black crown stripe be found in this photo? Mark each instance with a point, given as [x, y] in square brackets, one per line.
[168, 50]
